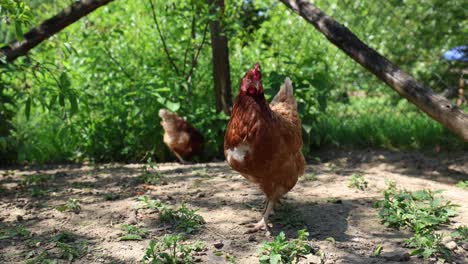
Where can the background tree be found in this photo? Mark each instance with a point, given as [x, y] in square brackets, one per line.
[220, 51]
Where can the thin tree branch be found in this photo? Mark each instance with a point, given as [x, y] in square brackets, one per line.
[166, 50]
[437, 107]
[193, 35]
[108, 53]
[50, 27]
[195, 58]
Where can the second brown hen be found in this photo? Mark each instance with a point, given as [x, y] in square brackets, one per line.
[180, 137]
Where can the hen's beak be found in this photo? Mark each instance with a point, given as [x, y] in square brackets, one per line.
[257, 85]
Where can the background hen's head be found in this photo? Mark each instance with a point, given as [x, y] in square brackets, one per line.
[251, 83]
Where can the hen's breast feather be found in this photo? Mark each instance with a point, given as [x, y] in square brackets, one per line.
[238, 152]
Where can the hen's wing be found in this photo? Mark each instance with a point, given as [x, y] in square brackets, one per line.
[284, 105]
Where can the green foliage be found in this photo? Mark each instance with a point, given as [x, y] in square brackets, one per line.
[15, 14]
[422, 213]
[72, 205]
[281, 250]
[419, 210]
[183, 218]
[35, 179]
[133, 232]
[427, 245]
[461, 233]
[72, 251]
[63, 236]
[358, 181]
[35, 184]
[17, 231]
[150, 174]
[172, 249]
[148, 203]
[462, 184]
[93, 91]
[111, 196]
[310, 177]
[377, 250]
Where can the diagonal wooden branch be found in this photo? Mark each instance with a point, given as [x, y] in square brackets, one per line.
[50, 27]
[166, 49]
[437, 107]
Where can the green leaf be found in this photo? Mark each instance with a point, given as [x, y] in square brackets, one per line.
[18, 30]
[377, 251]
[275, 258]
[64, 81]
[73, 103]
[27, 109]
[130, 237]
[172, 106]
[62, 100]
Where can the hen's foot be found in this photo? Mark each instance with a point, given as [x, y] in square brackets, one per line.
[260, 226]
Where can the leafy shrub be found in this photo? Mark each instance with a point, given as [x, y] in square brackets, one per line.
[19, 231]
[133, 232]
[280, 250]
[72, 205]
[462, 184]
[422, 213]
[172, 249]
[358, 181]
[182, 218]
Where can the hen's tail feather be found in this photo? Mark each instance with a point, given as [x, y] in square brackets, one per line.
[285, 94]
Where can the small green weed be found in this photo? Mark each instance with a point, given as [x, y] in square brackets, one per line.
[171, 249]
[63, 236]
[42, 258]
[281, 250]
[310, 177]
[36, 191]
[72, 251]
[427, 244]
[462, 184]
[17, 231]
[148, 203]
[331, 240]
[357, 181]
[72, 205]
[133, 232]
[420, 211]
[150, 173]
[377, 250]
[183, 218]
[111, 196]
[35, 179]
[461, 233]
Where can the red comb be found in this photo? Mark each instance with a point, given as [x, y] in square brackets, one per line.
[257, 67]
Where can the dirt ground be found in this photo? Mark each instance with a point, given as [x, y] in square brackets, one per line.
[326, 206]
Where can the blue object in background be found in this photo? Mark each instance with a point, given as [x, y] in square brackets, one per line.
[459, 53]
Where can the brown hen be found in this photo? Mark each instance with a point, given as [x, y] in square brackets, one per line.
[182, 138]
[263, 141]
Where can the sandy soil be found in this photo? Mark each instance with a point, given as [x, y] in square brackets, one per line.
[327, 207]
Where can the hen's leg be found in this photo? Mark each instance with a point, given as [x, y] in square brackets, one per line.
[263, 223]
[181, 160]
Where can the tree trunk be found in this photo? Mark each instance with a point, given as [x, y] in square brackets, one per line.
[220, 51]
[437, 107]
[50, 27]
